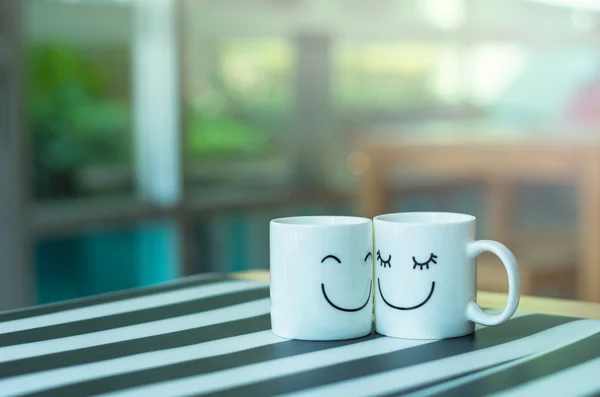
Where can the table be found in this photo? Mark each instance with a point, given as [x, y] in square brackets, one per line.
[210, 335]
[500, 164]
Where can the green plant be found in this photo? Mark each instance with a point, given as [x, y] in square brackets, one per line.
[76, 117]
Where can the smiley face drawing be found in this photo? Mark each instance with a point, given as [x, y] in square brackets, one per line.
[387, 263]
[368, 261]
[321, 277]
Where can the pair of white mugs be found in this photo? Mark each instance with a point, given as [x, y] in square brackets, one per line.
[419, 266]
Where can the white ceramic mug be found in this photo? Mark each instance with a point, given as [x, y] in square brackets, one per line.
[426, 276]
[321, 277]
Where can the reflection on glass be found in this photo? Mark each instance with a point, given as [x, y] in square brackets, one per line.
[493, 68]
[243, 96]
[526, 87]
[444, 14]
[237, 95]
[395, 75]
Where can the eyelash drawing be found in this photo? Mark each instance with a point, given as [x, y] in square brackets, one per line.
[367, 257]
[431, 259]
[332, 257]
[384, 263]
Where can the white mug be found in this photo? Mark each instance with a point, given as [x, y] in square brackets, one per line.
[321, 277]
[426, 276]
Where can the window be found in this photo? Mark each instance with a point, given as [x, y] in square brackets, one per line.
[237, 104]
[79, 103]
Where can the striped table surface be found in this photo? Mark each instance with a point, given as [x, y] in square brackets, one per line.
[210, 334]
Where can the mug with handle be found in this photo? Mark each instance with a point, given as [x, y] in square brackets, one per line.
[321, 277]
[426, 276]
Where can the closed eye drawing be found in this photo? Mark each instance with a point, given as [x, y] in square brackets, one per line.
[384, 262]
[432, 259]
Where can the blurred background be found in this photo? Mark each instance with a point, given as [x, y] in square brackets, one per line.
[144, 140]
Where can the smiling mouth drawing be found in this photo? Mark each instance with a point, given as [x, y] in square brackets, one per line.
[344, 309]
[406, 308]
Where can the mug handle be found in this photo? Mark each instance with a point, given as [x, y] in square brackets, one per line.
[474, 312]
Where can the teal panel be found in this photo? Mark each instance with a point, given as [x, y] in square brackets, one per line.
[157, 253]
[109, 261]
[59, 272]
[105, 261]
[237, 228]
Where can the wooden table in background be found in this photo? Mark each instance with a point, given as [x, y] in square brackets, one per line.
[500, 165]
[558, 307]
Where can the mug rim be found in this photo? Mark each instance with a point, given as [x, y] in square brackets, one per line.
[321, 221]
[425, 218]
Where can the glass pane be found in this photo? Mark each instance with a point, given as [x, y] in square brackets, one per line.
[240, 102]
[79, 101]
[493, 68]
[236, 103]
[555, 20]
[395, 75]
[511, 82]
[246, 66]
[542, 75]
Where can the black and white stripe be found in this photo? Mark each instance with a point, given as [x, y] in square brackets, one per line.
[414, 377]
[570, 352]
[110, 297]
[161, 304]
[579, 380]
[326, 367]
[211, 335]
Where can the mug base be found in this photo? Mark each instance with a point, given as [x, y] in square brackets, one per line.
[426, 337]
[322, 338]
